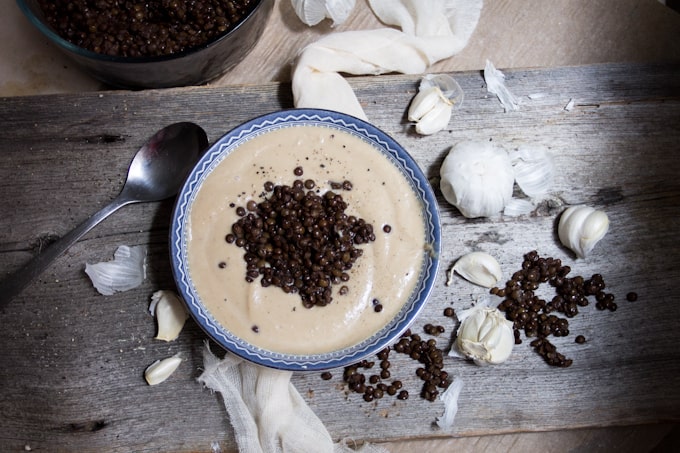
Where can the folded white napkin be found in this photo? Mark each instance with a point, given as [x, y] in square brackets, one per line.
[431, 30]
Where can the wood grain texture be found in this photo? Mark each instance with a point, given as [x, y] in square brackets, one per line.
[71, 374]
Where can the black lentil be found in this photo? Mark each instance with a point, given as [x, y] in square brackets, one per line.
[326, 375]
[387, 228]
[300, 241]
[142, 29]
[534, 316]
[425, 352]
[631, 297]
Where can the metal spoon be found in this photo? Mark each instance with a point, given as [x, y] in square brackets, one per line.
[157, 172]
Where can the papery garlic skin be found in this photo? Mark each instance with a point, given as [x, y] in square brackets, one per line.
[160, 370]
[477, 178]
[495, 83]
[534, 170]
[311, 12]
[484, 335]
[479, 268]
[126, 271]
[581, 227]
[170, 314]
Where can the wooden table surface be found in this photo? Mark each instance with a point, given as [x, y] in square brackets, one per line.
[72, 377]
[73, 360]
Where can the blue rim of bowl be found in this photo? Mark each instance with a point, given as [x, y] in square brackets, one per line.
[46, 30]
[292, 118]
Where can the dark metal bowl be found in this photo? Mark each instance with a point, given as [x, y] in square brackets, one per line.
[191, 67]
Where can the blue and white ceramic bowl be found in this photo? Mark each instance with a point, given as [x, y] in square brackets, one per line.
[382, 143]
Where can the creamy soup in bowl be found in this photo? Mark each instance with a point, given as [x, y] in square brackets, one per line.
[305, 240]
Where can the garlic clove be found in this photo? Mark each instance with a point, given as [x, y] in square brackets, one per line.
[126, 271]
[431, 108]
[312, 12]
[479, 268]
[160, 370]
[170, 314]
[477, 178]
[435, 120]
[484, 335]
[339, 10]
[423, 102]
[516, 207]
[534, 170]
[581, 227]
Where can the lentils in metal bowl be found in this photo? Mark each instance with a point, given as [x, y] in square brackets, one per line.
[143, 29]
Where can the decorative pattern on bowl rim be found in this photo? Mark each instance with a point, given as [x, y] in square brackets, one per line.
[292, 118]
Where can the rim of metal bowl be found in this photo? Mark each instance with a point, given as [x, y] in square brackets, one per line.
[46, 30]
[291, 118]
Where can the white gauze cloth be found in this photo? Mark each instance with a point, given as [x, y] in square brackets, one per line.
[267, 412]
[431, 30]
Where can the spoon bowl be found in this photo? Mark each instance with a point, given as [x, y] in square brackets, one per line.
[157, 172]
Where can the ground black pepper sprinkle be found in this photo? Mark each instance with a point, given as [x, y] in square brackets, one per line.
[142, 29]
[534, 316]
[300, 241]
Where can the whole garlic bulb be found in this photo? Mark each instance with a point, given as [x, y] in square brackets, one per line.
[477, 178]
[581, 227]
[484, 335]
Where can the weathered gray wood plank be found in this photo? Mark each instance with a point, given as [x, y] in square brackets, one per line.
[71, 374]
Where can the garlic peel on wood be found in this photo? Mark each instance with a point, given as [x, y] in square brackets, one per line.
[495, 84]
[160, 370]
[581, 227]
[311, 12]
[126, 271]
[170, 314]
[534, 170]
[479, 268]
[477, 177]
[484, 335]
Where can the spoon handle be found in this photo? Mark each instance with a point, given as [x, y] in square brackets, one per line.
[15, 283]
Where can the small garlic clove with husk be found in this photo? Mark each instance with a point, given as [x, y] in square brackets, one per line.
[160, 370]
[581, 227]
[431, 108]
[479, 268]
[485, 335]
[170, 314]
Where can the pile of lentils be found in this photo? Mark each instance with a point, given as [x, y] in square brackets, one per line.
[536, 317]
[379, 383]
[142, 29]
[299, 240]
